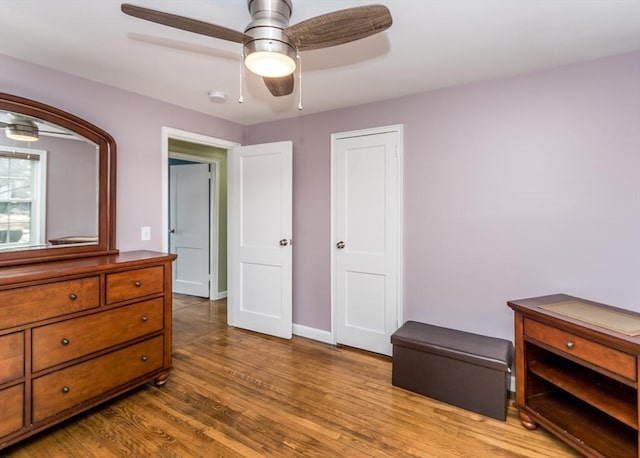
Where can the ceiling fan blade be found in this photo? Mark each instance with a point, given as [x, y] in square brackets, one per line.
[339, 27]
[183, 23]
[59, 133]
[279, 86]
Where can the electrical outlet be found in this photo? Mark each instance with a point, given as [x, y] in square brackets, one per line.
[145, 233]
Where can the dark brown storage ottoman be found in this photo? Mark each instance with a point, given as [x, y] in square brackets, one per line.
[467, 370]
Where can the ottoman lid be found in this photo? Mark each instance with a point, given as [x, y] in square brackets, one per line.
[490, 352]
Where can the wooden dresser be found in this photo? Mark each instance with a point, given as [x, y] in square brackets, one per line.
[75, 333]
[578, 380]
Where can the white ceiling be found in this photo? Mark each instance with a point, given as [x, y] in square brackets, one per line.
[432, 44]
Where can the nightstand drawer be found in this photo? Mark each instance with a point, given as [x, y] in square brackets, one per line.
[12, 409]
[615, 361]
[33, 303]
[56, 343]
[11, 357]
[74, 385]
[132, 284]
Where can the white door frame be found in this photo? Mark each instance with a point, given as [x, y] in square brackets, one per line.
[398, 128]
[191, 137]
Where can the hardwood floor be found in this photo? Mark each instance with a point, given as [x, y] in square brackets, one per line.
[236, 393]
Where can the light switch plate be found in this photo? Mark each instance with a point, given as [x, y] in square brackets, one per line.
[145, 233]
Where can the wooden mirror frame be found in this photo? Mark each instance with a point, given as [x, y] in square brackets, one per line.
[106, 182]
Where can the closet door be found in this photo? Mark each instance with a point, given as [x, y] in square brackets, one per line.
[367, 236]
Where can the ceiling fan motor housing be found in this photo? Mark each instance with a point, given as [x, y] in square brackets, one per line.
[20, 128]
[266, 29]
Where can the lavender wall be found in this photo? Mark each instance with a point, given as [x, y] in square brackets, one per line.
[513, 188]
[135, 122]
[72, 196]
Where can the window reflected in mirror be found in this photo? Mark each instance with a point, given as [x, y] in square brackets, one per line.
[21, 195]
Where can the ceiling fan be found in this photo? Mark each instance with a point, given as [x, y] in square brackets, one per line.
[25, 129]
[270, 45]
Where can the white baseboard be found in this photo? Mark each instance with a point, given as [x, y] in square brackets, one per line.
[220, 295]
[313, 333]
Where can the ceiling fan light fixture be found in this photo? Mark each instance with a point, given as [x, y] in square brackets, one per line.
[26, 131]
[271, 59]
[270, 64]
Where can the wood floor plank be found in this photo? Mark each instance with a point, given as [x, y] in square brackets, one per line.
[235, 393]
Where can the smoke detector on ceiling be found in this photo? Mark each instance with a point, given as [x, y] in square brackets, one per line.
[217, 96]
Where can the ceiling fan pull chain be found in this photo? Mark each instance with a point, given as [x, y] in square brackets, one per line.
[299, 81]
[241, 99]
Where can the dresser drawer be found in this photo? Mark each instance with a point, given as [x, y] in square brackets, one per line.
[132, 284]
[61, 390]
[11, 409]
[615, 361]
[11, 357]
[56, 343]
[33, 303]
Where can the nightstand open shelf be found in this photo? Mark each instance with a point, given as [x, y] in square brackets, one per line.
[609, 396]
[584, 424]
[578, 380]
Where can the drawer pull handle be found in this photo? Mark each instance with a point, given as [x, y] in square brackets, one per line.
[144, 358]
[570, 345]
[138, 284]
[145, 318]
[73, 296]
[65, 389]
[65, 342]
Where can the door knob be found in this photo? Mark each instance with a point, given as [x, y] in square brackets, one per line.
[340, 245]
[284, 242]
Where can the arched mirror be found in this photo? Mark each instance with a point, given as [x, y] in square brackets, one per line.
[57, 184]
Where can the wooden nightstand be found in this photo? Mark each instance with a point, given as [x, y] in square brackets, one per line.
[577, 379]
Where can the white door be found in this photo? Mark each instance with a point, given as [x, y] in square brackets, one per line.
[259, 238]
[367, 231]
[189, 227]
